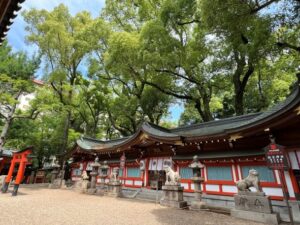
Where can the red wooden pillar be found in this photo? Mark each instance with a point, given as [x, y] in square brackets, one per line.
[20, 158]
[9, 175]
[19, 177]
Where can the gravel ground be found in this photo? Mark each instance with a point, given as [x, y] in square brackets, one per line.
[39, 206]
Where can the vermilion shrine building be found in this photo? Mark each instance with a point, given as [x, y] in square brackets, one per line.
[228, 148]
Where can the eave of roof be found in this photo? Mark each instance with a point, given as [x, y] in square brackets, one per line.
[224, 154]
[146, 131]
[8, 11]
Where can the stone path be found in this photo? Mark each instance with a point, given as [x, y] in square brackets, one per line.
[41, 206]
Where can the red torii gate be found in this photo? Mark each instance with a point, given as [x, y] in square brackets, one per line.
[21, 158]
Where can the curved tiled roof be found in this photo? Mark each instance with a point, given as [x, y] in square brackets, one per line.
[214, 127]
[8, 11]
[222, 127]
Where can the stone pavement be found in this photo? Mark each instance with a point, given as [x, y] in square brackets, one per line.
[42, 206]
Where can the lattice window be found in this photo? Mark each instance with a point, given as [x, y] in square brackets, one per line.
[133, 172]
[219, 173]
[186, 173]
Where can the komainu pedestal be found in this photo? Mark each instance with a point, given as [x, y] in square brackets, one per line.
[173, 196]
[254, 206]
[114, 189]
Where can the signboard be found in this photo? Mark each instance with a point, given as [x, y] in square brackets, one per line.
[122, 161]
[276, 158]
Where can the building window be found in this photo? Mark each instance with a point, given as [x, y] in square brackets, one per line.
[120, 172]
[265, 174]
[219, 173]
[186, 173]
[133, 172]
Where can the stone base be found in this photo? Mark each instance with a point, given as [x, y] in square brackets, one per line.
[173, 196]
[91, 191]
[174, 204]
[82, 186]
[63, 185]
[253, 201]
[114, 189]
[15, 190]
[268, 218]
[198, 205]
[56, 184]
[99, 192]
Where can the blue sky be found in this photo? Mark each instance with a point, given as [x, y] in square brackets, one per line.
[16, 35]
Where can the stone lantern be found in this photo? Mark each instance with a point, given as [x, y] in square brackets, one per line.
[55, 182]
[114, 184]
[95, 166]
[103, 173]
[197, 179]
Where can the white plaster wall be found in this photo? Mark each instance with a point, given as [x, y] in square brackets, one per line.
[289, 184]
[273, 191]
[185, 185]
[229, 188]
[138, 183]
[212, 187]
[24, 100]
[193, 187]
[129, 182]
[293, 160]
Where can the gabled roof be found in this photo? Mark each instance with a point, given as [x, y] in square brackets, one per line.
[147, 131]
[218, 128]
[8, 11]
[214, 127]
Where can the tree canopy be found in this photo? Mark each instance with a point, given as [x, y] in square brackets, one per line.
[104, 76]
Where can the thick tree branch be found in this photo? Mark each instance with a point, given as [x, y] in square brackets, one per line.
[33, 115]
[186, 97]
[287, 45]
[187, 22]
[176, 74]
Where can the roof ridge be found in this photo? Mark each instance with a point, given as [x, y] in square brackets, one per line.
[157, 126]
[219, 121]
[105, 141]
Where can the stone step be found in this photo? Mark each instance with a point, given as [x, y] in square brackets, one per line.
[151, 195]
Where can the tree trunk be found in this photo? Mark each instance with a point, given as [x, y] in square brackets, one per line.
[65, 135]
[8, 122]
[204, 113]
[239, 102]
[4, 132]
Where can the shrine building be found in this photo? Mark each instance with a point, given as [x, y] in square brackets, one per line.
[228, 148]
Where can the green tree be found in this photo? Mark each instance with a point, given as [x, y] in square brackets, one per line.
[64, 41]
[16, 74]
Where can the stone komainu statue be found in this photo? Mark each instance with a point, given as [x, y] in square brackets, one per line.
[252, 180]
[172, 177]
[84, 175]
[114, 175]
